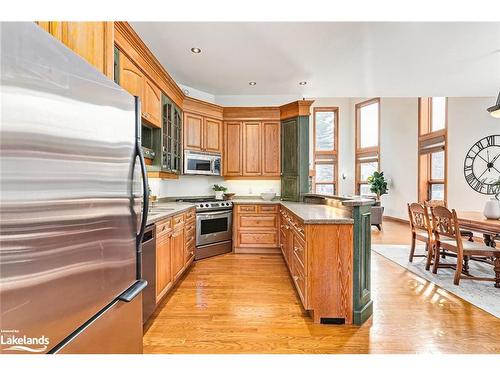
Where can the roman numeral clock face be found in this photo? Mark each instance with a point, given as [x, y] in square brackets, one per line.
[482, 165]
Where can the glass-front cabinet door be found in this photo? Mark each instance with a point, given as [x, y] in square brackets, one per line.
[172, 136]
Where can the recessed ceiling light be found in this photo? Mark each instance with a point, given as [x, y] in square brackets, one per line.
[196, 50]
[252, 83]
[302, 83]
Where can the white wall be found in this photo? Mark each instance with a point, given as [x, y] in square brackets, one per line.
[398, 152]
[468, 122]
[202, 186]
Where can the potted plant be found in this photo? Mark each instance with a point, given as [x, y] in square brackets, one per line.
[378, 185]
[219, 191]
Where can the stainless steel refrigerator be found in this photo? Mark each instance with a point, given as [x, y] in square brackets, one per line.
[73, 202]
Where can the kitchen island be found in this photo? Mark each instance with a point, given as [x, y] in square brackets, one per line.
[325, 241]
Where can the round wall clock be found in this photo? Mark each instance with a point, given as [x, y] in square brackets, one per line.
[482, 165]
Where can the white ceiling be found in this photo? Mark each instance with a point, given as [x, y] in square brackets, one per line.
[337, 59]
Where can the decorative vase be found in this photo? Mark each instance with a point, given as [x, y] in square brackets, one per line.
[492, 209]
[219, 195]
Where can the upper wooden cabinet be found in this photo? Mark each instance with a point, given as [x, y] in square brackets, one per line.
[232, 164]
[271, 148]
[151, 103]
[91, 40]
[252, 149]
[202, 126]
[252, 155]
[193, 131]
[212, 136]
[202, 133]
[130, 77]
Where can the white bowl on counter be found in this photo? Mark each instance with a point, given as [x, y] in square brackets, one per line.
[268, 196]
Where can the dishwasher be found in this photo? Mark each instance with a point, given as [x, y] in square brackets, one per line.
[148, 266]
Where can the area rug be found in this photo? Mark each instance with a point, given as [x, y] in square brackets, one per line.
[482, 294]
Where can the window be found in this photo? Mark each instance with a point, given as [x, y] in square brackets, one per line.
[325, 150]
[432, 149]
[367, 143]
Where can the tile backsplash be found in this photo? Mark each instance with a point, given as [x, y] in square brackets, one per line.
[202, 185]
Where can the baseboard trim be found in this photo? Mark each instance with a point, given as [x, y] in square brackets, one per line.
[396, 219]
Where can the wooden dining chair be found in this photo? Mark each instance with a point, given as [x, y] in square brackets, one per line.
[436, 203]
[420, 230]
[446, 233]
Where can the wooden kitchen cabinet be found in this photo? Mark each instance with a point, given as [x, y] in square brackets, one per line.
[189, 236]
[202, 133]
[193, 132]
[93, 41]
[130, 76]
[233, 149]
[256, 228]
[252, 149]
[252, 156]
[271, 148]
[164, 279]
[151, 103]
[175, 245]
[319, 258]
[212, 135]
[132, 79]
[178, 254]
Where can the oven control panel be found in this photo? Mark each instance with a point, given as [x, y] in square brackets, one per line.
[206, 206]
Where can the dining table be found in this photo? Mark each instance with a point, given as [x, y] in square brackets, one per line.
[475, 221]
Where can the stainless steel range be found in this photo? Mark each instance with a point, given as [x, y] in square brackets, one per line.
[214, 221]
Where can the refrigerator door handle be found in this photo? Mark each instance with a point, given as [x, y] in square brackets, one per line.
[138, 150]
[133, 291]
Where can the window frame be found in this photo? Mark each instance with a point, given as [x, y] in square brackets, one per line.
[430, 142]
[333, 154]
[365, 154]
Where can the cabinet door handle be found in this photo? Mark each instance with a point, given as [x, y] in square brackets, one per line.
[296, 278]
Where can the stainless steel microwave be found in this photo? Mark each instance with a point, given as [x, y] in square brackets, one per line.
[202, 163]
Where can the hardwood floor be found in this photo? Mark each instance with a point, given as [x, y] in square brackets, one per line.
[241, 303]
[393, 232]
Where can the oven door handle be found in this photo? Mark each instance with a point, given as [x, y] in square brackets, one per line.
[205, 215]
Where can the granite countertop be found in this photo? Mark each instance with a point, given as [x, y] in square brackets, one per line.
[318, 213]
[309, 213]
[162, 211]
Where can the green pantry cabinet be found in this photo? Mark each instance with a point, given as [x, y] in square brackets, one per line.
[162, 146]
[294, 158]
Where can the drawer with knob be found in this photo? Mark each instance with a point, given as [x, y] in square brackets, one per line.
[247, 208]
[178, 221]
[268, 208]
[299, 279]
[163, 227]
[190, 215]
[299, 249]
